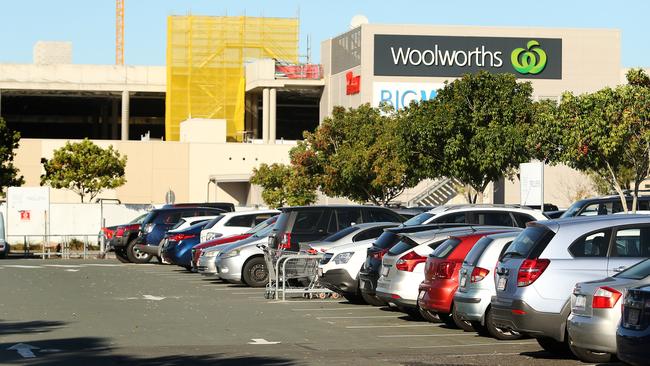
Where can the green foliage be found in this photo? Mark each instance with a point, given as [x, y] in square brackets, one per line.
[9, 141]
[284, 185]
[356, 154]
[637, 77]
[475, 130]
[84, 168]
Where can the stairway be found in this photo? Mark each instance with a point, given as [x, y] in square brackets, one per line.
[436, 194]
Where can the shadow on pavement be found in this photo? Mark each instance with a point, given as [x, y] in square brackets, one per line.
[38, 326]
[85, 351]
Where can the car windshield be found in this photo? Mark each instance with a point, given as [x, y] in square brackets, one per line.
[262, 225]
[476, 251]
[530, 243]
[264, 232]
[340, 234]
[139, 219]
[419, 219]
[213, 222]
[573, 209]
[178, 224]
[637, 272]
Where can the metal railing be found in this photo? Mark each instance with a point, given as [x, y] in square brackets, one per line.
[58, 246]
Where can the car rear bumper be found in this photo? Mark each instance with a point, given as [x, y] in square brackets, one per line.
[522, 318]
[632, 346]
[592, 333]
[471, 305]
[437, 296]
[339, 280]
[368, 283]
[397, 300]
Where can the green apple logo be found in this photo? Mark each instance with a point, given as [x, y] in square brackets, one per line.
[529, 61]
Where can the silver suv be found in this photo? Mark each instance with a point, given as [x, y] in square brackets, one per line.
[538, 271]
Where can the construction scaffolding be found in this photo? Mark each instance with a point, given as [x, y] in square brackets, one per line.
[205, 65]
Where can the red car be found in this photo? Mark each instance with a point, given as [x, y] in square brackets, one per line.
[441, 277]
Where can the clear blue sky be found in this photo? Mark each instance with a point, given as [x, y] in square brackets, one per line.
[90, 24]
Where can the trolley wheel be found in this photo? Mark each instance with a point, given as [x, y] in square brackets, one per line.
[335, 295]
[322, 295]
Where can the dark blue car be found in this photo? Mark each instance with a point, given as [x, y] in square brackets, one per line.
[177, 245]
[633, 334]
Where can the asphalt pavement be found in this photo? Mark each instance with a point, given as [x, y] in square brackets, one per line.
[101, 312]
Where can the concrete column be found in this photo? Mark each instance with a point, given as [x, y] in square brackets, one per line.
[272, 114]
[265, 115]
[125, 115]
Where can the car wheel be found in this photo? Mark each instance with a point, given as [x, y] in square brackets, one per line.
[499, 333]
[429, 315]
[136, 256]
[552, 346]
[373, 300]
[448, 320]
[586, 355]
[255, 273]
[412, 312]
[460, 323]
[120, 254]
[353, 299]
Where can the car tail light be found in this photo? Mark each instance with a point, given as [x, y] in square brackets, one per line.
[479, 274]
[285, 242]
[380, 254]
[119, 232]
[530, 271]
[445, 270]
[122, 229]
[409, 261]
[605, 298]
[179, 237]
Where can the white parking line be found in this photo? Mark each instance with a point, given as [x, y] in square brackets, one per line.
[222, 288]
[486, 354]
[473, 345]
[358, 317]
[62, 265]
[246, 293]
[21, 266]
[426, 335]
[391, 326]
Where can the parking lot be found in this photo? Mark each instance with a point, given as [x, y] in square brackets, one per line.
[106, 313]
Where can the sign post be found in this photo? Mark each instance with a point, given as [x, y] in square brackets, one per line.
[531, 176]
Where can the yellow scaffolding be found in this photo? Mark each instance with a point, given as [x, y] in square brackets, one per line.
[205, 65]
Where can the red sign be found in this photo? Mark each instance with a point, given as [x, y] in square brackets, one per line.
[352, 83]
[25, 215]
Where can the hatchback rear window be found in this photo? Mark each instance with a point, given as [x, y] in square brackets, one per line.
[530, 243]
[403, 245]
[340, 234]
[637, 272]
[445, 248]
[386, 240]
[476, 252]
[213, 222]
[419, 219]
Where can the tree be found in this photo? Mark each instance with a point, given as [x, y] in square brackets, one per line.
[84, 168]
[283, 184]
[355, 153]
[9, 142]
[475, 130]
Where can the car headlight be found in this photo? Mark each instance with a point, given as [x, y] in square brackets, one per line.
[343, 258]
[211, 253]
[211, 236]
[230, 254]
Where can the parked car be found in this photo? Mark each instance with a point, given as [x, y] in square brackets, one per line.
[176, 246]
[350, 234]
[198, 249]
[123, 235]
[633, 334]
[596, 312]
[476, 285]
[208, 260]
[225, 206]
[605, 205]
[538, 271]
[235, 223]
[4, 246]
[554, 214]
[186, 222]
[339, 268]
[409, 212]
[155, 225]
[402, 268]
[482, 214]
[308, 223]
[441, 277]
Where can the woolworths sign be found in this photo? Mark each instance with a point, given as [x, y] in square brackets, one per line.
[446, 56]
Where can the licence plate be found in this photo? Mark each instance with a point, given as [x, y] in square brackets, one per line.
[384, 271]
[320, 272]
[501, 283]
[633, 316]
[421, 295]
[581, 301]
[463, 281]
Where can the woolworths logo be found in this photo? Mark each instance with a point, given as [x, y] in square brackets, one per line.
[529, 61]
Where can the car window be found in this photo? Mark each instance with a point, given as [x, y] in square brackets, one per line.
[310, 222]
[382, 216]
[632, 242]
[242, 220]
[262, 225]
[213, 222]
[169, 218]
[638, 271]
[530, 243]
[192, 213]
[340, 234]
[259, 218]
[497, 218]
[603, 208]
[369, 234]
[446, 248]
[523, 219]
[178, 224]
[454, 218]
[348, 217]
[418, 219]
[402, 246]
[476, 251]
[591, 245]
[643, 205]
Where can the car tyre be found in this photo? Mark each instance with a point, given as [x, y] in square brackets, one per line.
[255, 273]
[448, 320]
[460, 323]
[354, 299]
[552, 346]
[136, 256]
[499, 333]
[373, 300]
[120, 254]
[586, 355]
[411, 312]
[429, 315]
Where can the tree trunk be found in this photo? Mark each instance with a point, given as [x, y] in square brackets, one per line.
[635, 195]
[618, 188]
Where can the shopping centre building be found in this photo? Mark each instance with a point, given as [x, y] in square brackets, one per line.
[234, 95]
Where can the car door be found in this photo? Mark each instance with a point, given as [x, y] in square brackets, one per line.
[629, 245]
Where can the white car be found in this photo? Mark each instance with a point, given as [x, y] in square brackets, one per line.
[482, 214]
[339, 268]
[186, 222]
[351, 234]
[232, 223]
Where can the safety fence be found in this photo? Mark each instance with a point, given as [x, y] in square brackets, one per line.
[56, 246]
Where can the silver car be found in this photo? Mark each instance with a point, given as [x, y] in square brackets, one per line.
[476, 285]
[537, 273]
[596, 312]
[351, 234]
[243, 261]
[402, 268]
